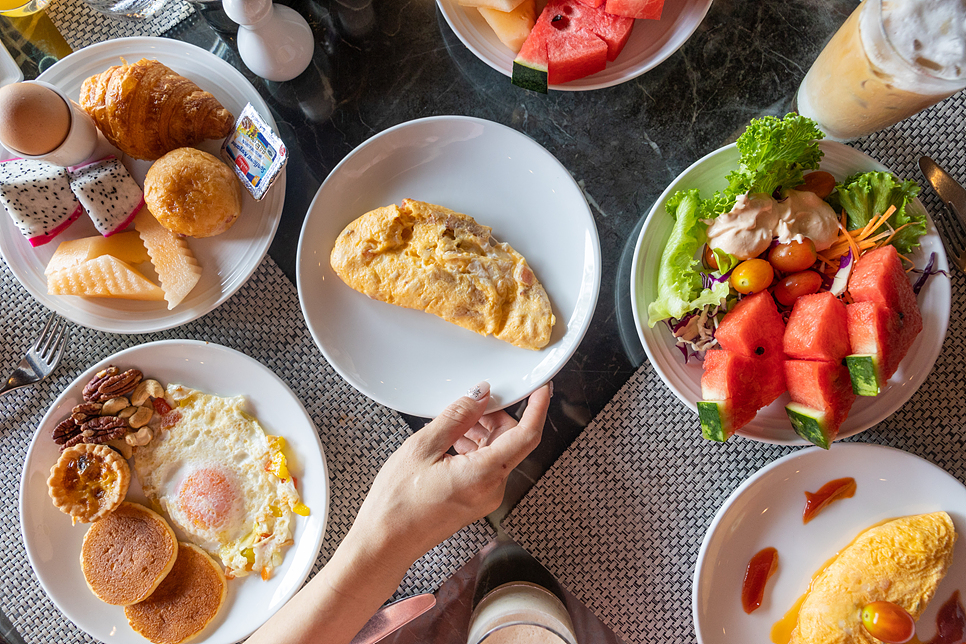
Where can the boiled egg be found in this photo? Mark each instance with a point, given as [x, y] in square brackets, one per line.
[34, 119]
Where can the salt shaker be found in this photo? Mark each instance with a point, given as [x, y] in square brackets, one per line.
[275, 42]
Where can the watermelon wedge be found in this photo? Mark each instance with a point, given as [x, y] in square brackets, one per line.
[569, 40]
[822, 396]
[753, 328]
[817, 329]
[880, 277]
[734, 388]
[645, 9]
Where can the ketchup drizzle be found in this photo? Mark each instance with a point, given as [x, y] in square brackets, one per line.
[815, 502]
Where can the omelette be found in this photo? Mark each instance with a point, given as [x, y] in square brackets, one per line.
[222, 482]
[901, 561]
[430, 258]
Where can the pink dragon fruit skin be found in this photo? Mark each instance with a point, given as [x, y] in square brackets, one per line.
[37, 196]
[108, 193]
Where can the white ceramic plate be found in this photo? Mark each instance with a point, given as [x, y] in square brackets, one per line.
[771, 425]
[227, 260]
[53, 545]
[650, 43]
[415, 362]
[766, 511]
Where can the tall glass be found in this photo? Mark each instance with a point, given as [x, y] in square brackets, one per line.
[521, 612]
[17, 8]
[891, 59]
[127, 9]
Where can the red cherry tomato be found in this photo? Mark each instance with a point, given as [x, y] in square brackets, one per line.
[752, 276]
[791, 287]
[793, 257]
[821, 183]
[888, 622]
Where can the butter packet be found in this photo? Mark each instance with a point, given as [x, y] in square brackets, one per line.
[255, 152]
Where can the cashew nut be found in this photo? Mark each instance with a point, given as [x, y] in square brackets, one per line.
[114, 405]
[141, 417]
[127, 412]
[140, 438]
[146, 389]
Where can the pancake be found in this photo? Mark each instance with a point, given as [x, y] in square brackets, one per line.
[126, 554]
[430, 258]
[901, 561]
[185, 602]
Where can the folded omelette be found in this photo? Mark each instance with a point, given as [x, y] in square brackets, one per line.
[430, 258]
[901, 561]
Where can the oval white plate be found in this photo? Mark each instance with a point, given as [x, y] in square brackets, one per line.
[650, 43]
[227, 260]
[771, 425]
[766, 511]
[415, 362]
[53, 545]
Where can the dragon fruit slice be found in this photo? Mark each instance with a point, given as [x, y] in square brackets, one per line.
[37, 196]
[108, 192]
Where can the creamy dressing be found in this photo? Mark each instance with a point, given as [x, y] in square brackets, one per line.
[747, 230]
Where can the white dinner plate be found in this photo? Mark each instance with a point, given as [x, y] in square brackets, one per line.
[766, 511]
[227, 260]
[415, 362]
[650, 42]
[771, 424]
[53, 545]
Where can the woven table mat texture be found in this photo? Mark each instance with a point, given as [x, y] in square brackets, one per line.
[621, 515]
[262, 320]
[80, 25]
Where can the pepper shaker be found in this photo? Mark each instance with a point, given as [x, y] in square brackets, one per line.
[275, 42]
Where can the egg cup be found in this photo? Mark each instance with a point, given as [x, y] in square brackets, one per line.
[81, 138]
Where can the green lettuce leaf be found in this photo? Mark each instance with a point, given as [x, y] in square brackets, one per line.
[678, 283]
[868, 194]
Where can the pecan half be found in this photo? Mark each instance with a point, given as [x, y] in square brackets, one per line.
[90, 390]
[119, 385]
[85, 411]
[100, 430]
[65, 430]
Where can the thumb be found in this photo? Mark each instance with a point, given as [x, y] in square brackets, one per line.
[439, 435]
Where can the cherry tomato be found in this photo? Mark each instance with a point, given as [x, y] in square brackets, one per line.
[821, 183]
[791, 287]
[752, 276]
[888, 622]
[709, 259]
[793, 257]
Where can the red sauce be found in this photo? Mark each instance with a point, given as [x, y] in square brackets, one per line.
[760, 569]
[950, 623]
[815, 502]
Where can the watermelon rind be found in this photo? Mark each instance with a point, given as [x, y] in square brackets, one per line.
[714, 420]
[810, 424]
[864, 370]
[527, 77]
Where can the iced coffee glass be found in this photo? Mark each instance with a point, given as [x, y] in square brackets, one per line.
[891, 59]
[521, 613]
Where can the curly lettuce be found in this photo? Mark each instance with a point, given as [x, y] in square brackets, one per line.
[865, 195]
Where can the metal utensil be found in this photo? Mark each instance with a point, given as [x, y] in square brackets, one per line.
[952, 225]
[394, 616]
[43, 357]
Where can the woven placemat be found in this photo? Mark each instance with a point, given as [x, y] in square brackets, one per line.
[262, 320]
[80, 25]
[620, 517]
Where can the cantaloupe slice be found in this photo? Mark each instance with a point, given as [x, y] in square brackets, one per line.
[103, 276]
[127, 247]
[174, 262]
[498, 5]
[512, 27]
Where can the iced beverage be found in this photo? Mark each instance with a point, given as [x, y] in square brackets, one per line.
[890, 59]
[521, 613]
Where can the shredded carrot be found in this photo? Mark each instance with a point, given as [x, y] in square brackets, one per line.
[859, 240]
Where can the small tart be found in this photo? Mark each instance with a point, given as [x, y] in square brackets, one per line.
[88, 482]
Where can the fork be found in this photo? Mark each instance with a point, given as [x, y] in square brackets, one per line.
[43, 357]
[953, 233]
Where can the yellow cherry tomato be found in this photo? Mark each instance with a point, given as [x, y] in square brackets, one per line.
[752, 276]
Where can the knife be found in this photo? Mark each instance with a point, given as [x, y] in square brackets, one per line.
[394, 616]
[948, 189]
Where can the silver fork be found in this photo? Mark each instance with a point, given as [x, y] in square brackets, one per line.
[43, 357]
[953, 233]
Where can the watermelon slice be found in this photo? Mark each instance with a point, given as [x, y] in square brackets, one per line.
[645, 9]
[822, 396]
[817, 329]
[570, 40]
[753, 328]
[880, 277]
[734, 388]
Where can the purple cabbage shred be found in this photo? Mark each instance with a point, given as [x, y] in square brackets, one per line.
[926, 273]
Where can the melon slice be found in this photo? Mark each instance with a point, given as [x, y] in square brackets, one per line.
[103, 276]
[512, 27]
[125, 246]
[174, 262]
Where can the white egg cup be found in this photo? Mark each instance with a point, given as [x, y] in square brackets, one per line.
[275, 42]
[81, 138]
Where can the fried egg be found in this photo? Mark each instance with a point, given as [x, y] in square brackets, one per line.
[221, 481]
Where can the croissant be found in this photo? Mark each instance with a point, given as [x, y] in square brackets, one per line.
[146, 109]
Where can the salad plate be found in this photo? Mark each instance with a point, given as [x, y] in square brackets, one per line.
[650, 43]
[53, 545]
[766, 511]
[771, 425]
[415, 362]
[227, 260]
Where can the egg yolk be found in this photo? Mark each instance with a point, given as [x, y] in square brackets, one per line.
[206, 498]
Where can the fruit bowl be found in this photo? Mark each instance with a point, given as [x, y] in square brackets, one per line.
[771, 424]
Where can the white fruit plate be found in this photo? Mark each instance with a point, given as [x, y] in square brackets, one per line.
[771, 424]
[227, 260]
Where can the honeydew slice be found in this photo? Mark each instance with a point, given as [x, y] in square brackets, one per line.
[126, 246]
[103, 276]
[173, 261]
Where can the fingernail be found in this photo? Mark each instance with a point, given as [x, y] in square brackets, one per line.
[480, 391]
[550, 387]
